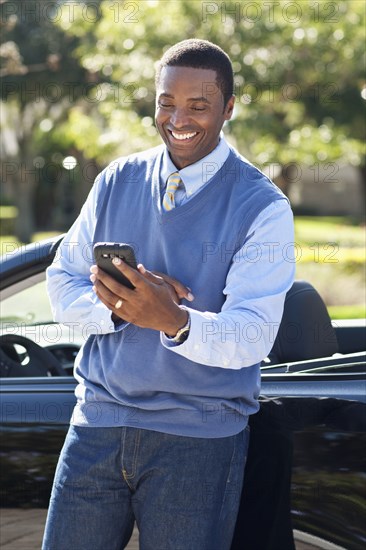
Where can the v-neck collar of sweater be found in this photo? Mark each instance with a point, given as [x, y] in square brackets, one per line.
[195, 201]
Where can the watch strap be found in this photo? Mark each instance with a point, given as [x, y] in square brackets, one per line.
[183, 332]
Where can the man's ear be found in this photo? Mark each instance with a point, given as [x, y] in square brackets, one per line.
[229, 108]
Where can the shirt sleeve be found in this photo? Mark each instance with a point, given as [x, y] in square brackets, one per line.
[70, 290]
[243, 332]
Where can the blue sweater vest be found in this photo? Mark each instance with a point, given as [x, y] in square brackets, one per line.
[147, 385]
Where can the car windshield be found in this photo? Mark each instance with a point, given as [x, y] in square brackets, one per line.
[28, 306]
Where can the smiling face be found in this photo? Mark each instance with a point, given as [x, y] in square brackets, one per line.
[190, 112]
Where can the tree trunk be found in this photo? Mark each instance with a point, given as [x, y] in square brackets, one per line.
[287, 176]
[24, 185]
[363, 180]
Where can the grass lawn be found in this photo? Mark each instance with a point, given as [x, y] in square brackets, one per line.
[347, 312]
[332, 258]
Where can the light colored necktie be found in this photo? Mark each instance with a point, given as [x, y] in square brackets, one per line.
[172, 185]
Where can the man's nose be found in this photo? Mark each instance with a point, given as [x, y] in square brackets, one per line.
[180, 118]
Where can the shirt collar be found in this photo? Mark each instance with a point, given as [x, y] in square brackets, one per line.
[201, 172]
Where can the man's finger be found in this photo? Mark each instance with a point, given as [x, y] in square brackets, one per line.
[110, 283]
[132, 274]
[111, 300]
[181, 290]
[153, 278]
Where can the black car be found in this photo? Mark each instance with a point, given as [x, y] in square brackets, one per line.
[305, 476]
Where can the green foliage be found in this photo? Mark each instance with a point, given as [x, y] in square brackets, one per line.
[35, 63]
[298, 76]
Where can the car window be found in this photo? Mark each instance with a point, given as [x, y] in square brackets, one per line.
[25, 312]
[29, 306]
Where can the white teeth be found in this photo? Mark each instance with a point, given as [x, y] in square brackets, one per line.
[183, 136]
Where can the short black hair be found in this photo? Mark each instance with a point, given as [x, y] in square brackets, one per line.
[200, 54]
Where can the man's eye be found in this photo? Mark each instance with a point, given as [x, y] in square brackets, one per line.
[199, 108]
[165, 105]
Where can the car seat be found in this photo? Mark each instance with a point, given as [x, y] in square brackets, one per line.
[306, 331]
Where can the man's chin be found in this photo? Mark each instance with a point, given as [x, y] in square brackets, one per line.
[182, 160]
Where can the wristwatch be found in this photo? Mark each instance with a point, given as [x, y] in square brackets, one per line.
[182, 333]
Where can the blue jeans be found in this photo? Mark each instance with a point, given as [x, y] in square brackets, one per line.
[183, 492]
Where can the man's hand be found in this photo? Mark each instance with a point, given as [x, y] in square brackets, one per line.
[153, 303]
[176, 287]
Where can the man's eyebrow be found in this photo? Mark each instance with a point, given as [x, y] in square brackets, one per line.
[201, 98]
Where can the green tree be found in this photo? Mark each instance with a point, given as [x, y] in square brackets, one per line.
[298, 74]
[39, 82]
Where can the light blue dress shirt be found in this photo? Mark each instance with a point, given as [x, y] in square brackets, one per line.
[266, 257]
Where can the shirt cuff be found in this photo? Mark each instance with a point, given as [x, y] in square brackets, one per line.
[193, 347]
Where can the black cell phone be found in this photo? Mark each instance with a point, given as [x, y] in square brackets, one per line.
[104, 254]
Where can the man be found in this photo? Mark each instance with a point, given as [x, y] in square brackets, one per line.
[168, 379]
